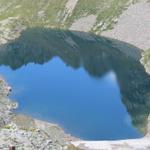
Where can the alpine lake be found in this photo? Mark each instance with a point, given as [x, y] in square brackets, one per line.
[91, 86]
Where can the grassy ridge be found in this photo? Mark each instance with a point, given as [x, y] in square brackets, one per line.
[34, 13]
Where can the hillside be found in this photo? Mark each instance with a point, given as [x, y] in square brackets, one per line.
[96, 16]
[124, 20]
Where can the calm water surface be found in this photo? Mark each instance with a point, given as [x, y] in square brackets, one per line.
[91, 105]
[87, 107]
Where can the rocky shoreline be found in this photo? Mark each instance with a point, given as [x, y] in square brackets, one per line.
[129, 144]
[27, 133]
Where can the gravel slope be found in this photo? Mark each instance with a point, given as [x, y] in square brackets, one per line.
[133, 25]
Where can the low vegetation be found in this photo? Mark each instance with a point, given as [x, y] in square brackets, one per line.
[50, 13]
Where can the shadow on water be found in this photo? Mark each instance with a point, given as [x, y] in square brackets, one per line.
[97, 55]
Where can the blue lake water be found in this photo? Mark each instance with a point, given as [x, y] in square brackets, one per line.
[86, 107]
[81, 82]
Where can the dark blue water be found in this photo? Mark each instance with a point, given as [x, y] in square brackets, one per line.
[85, 106]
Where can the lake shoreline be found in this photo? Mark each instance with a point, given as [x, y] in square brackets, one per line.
[127, 144]
[25, 132]
[20, 127]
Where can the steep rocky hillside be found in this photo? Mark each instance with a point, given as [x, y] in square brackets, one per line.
[95, 15]
[124, 20]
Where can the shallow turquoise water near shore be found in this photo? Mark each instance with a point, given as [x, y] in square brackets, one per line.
[83, 82]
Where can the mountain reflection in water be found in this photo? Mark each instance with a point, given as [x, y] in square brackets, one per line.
[84, 97]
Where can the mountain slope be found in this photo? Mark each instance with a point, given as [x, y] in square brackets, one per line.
[64, 13]
[133, 25]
